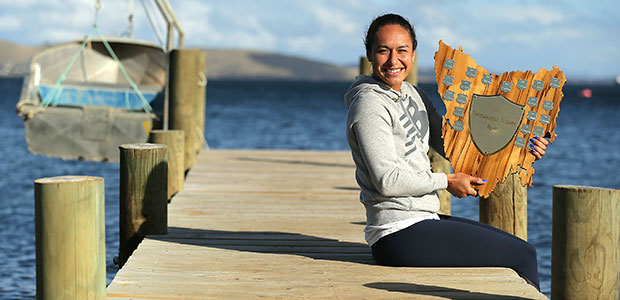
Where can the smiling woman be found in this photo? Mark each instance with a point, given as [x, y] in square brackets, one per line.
[391, 125]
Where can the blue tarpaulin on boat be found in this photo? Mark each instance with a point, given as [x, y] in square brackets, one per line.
[72, 96]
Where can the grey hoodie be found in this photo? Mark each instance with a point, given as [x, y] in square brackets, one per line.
[388, 132]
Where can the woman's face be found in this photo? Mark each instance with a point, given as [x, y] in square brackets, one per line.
[392, 55]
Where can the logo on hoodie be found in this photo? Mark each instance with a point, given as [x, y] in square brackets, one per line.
[415, 122]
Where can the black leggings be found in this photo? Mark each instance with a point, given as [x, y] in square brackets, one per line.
[457, 242]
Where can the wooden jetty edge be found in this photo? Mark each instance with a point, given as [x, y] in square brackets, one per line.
[281, 224]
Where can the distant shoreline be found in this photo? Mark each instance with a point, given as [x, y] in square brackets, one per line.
[243, 65]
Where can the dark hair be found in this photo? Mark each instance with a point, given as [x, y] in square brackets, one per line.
[388, 19]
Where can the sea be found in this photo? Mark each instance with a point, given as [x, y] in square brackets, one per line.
[296, 115]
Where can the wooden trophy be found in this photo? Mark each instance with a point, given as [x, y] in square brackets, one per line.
[490, 118]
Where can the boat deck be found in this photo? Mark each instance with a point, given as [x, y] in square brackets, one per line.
[283, 225]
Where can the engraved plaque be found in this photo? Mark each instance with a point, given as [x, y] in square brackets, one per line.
[506, 86]
[449, 64]
[538, 131]
[526, 129]
[465, 85]
[487, 79]
[520, 142]
[459, 112]
[471, 72]
[449, 95]
[459, 126]
[493, 122]
[538, 85]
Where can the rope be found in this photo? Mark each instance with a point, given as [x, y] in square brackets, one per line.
[55, 93]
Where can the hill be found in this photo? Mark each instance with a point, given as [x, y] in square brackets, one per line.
[245, 64]
[14, 58]
[221, 64]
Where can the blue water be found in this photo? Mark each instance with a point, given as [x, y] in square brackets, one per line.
[289, 115]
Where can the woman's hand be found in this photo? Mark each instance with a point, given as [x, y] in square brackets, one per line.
[460, 184]
[538, 146]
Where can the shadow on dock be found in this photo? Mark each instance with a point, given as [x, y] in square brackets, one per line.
[271, 242]
[438, 291]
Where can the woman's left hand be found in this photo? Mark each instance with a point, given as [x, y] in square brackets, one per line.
[538, 146]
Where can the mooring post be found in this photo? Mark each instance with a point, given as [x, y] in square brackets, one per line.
[441, 165]
[365, 66]
[175, 140]
[143, 194]
[187, 99]
[585, 249]
[506, 207]
[70, 237]
[413, 75]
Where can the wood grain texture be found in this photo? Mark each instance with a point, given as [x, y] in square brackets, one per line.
[175, 141]
[143, 194]
[506, 207]
[459, 146]
[187, 99]
[70, 237]
[441, 165]
[585, 261]
[283, 225]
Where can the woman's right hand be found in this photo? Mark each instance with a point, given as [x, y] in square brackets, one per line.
[460, 184]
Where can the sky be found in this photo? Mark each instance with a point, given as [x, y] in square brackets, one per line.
[581, 37]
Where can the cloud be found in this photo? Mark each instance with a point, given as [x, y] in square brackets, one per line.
[224, 25]
[334, 21]
[431, 36]
[332, 31]
[530, 14]
[310, 44]
[9, 23]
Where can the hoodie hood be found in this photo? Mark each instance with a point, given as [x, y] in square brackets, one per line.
[364, 82]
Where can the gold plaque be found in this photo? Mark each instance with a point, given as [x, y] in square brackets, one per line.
[491, 118]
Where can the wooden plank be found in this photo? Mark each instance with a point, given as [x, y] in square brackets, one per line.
[280, 225]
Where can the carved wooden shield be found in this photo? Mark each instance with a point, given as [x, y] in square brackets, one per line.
[490, 118]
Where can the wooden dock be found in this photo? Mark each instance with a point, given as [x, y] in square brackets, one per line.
[283, 225]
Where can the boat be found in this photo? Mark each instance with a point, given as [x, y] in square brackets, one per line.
[82, 99]
[96, 110]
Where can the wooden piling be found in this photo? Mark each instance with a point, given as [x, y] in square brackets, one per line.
[175, 140]
[70, 237]
[143, 194]
[506, 207]
[413, 75]
[441, 165]
[585, 250]
[187, 99]
[365, 66]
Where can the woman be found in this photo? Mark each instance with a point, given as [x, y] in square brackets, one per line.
[390, 127]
